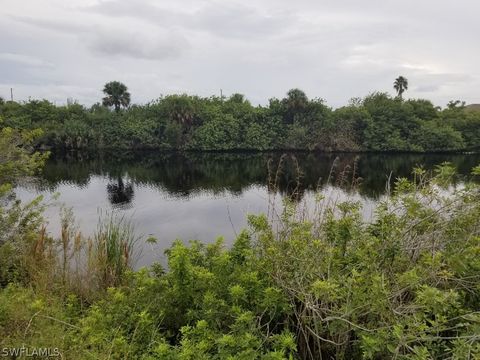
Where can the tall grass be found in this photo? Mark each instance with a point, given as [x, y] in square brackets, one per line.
[113, 248]
[73, 263]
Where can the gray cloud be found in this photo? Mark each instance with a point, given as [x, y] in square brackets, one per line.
[431, 83]
[58, 26]
[429, 88]
[141, 9]
[219, 18]
[137, 45]
[236, 20]
[25, 60]
[116, 41]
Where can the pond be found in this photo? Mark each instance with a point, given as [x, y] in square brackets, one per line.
[205, 195]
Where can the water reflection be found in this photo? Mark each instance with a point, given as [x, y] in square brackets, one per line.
[290, 174]
[202, 196]
[120, 194]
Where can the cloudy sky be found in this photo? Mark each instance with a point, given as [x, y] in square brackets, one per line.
[332, 49]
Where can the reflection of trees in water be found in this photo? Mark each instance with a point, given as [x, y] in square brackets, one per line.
[290, 174]
[375, 169]
[119, 193]
[69, 168]
[294, 174]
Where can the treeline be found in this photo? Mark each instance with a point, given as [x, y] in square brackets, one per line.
[377, 122]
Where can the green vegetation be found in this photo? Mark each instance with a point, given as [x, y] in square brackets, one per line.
[377, 122]
[323, 284]
[20, 224]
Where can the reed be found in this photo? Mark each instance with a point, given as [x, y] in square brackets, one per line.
[113, 249]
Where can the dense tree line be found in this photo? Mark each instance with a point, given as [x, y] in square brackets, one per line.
[378, 122]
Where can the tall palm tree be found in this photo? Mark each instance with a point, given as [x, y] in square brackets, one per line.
[295, 103]
[117, 95]
[400, 85]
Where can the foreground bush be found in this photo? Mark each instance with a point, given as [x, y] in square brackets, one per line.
[403, 286]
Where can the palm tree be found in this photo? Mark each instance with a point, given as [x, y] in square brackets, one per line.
[295, 103]
[400, 85]
[117, 95]
[181, 109]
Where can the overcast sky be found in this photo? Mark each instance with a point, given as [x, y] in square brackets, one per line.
[332, 49]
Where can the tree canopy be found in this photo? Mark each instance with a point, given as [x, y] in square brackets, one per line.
[377, 122]
[116, 95]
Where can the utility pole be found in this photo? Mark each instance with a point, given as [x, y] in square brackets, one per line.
[11, 94]
[221, 95]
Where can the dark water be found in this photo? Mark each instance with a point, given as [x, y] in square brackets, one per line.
[206, 195]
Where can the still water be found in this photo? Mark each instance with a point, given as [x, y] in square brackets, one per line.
[205, 195]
